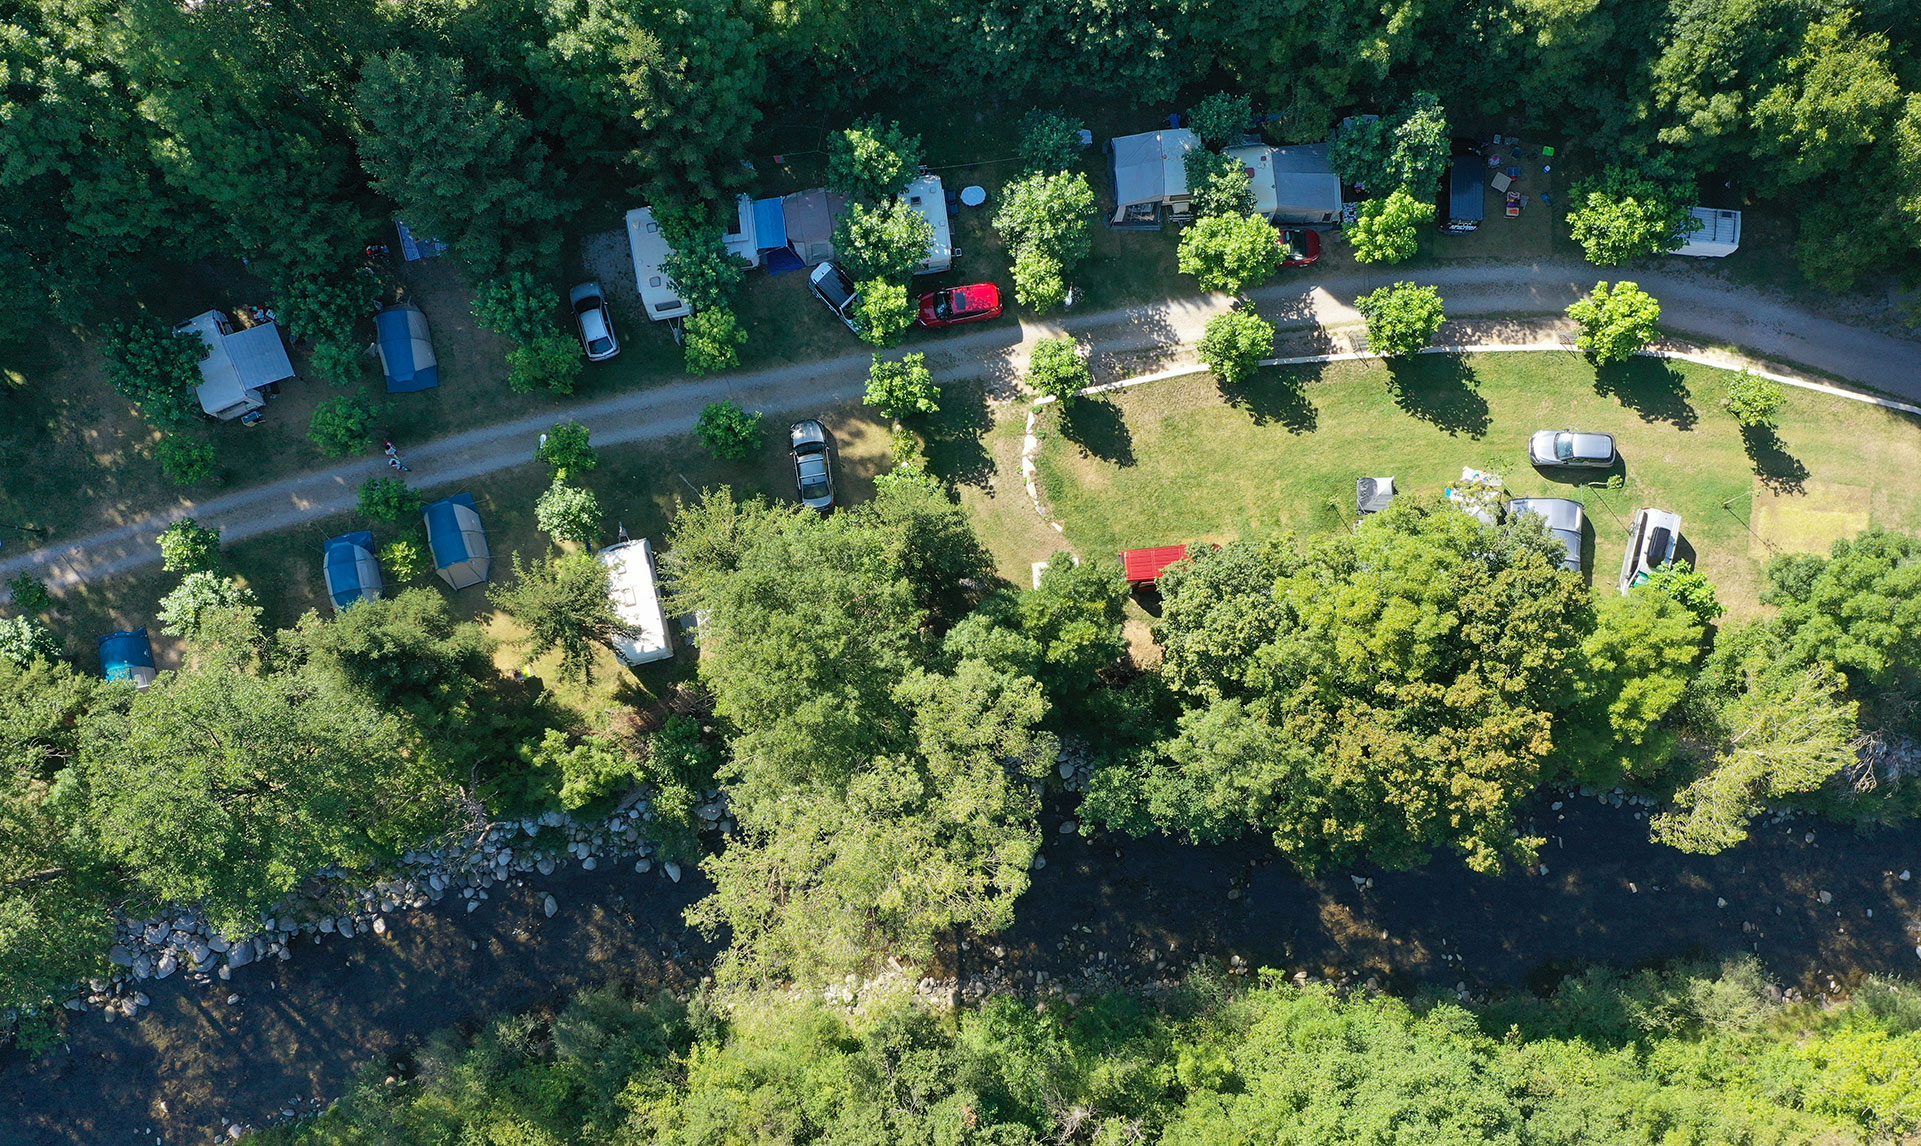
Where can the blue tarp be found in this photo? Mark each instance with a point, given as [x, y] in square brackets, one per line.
[127, 655]
[352, 573]
[770, 224]
[458, 541]
[406, 349]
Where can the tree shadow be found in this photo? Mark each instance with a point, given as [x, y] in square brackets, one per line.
[1440, 389]
[1651, 387]
[1778, 470]
[956, 437]
[1276, 396]
[1097, 427]
[1151, 341]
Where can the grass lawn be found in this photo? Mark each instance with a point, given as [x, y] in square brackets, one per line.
[1183, 461]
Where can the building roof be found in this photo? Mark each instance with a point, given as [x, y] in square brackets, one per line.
[1143, 565]
[237, 364]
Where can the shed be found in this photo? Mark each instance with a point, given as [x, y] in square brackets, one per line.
[1718, 236]
[127, 655]
[406, 349]
[1292, 184]
[238, 365]
[808, 217]
[1150, 171]
[352, 573]
[458, 541]
[649, 247]
[636, 596]
[1145, 566]
[927, 196]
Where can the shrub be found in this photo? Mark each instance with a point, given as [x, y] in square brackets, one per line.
[1228, 253]
[565, 448]
[405, 558]
[1615, 321]
[326, 310]
[187, 609]
[729, 431]
[1234, 344]
[1402, 318]
[342, 427]
[1050, 141]
[184, 460]
[872, 160]
[1387, 229]
[388, 499]
[29, 593]
[1621, 214]
[1689, 587]
[516, 306]
[568, 513]
[711, 341]
[550, 362]
[1220, 118]
[1057, 369]
[883, 312]
[1754, 401]
[186, 546]
[1404, 150]
[1040, 281]
[897, 389]
[23, 641]
[337, 360]
[158, 372]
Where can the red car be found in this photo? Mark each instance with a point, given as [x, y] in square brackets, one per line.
[1299, 246]
[975, 303]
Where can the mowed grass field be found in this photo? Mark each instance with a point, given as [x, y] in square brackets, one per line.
[1189, 460]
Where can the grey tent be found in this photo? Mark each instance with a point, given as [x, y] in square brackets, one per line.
[809, 217]
[458, 541]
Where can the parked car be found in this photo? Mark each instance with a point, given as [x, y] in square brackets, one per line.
[955, 305]
[1464, 195]
[813, 472]
[1564, 519]
[1652, 540]
[596, 325]
[1552, 449]
[1300, 246]
[832, 286]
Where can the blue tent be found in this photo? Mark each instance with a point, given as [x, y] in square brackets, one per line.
[406, 349]
[458, 541]
[127, 655]
[352, 573]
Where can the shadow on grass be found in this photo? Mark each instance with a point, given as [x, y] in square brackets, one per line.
[1778, 470]
[1651, 387]
[1439, 389]
[957, 436]
[1097, 427]
[1279, 397]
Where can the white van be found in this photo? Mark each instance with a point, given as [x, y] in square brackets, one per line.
[1651, 544]
[636, 598]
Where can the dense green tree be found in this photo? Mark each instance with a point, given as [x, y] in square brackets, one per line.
[516, 305]
[729, 431]
[1405, 150]
[872, 161]
[1616, 320]
[155, 370]
[698, 263]
[1636, 666]
[405, 652]
[887, 241]
[568, 513]
[713, 341]
[405, 558]
[902, 387]
[187, 546]
[1040, 281]
[565, 447]
[1858, 609]
[1703, 76]
[1387, 228]
[1401, 319]
[1050, 141]
[388, 499]
[342, 426]
[1220, 118]
[563, 603]
[1754, 400]
[1057, 369]
[1622, 214]
[882, 311]
[329, 311]
[196, 606]
[551, 363]
[29, 593]
[590, 768]
[1688, 586]
[1217, 185]
[24, 640]
[1234, 344]
[1838, 97]
[1046, 221]
[1231, 254]
[184, 460]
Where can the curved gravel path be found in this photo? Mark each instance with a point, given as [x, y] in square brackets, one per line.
[1493, 303]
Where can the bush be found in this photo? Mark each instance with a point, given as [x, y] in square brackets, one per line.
[568, 513]
[1057, 369]
[898, 389]
[342, 427]
[883, 312]
[711, 341]
[1220, 118]
[1217, 185]
[186, 610]
[516, 306]
[1050, 141]
[1387, 229]
[1754, 401]
[1040, 281]
[29, 593]
[1615, 321]
[729, 431]
[550, 362]
[592, 770]
[565, 448]
[1689, 587]
[1234, 344]
[186, 546]
[1047, 223]
[872, 160]
[23, 641]
[1622, 214]
[405, 558]
[1230, 254]
[886, 241]
[326, 310]
[184, 460]
[337, 360]
[1402, 318]
[158, 372]
[388, 499]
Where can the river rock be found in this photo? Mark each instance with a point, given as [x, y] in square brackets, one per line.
[643, 865]
[380, 925]
[1069, 827]
[327, 926]
[472, 906]
[1719, 902]
[545, 866]
[240, 956]
[1040, 861]
[219, 944]
[548, 905]
[345, 925]
[672, 870]
[158, 931]
[1827, 897]
[1905, 874]
[1067, 769]
[167, 966]
[142, 967]
[119, 955]
[587, 864]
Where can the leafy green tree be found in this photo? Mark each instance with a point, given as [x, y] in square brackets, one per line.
[184, 460]
[1050, 141]
[29, 593]
[1401, 319]
[565, 448]
[902, 387]
[1858, 609]
[1234, 343]
[157, 371]
[1621, 214]
[1217, 185]
[1405, 150]
[730, 432]
[698, 262]
[564, 605]
[1754, 401]
[187, 546]
[1057, 369]
[568, 513]
[405, 559]
[1688, 586]
[404, 653]
[1040, 281]
[886, 241]
[338, 360]
[388, 499]
[1220, 118]
[550, 362]
[1046, 221]
[1636, 666]
[342, 426]
[873, 160]
[713, 341]
[1615, 321]
[591, 768]
[1229, 254]
[517, 306]
[883, 311]
[195, 606]
[1839, 94]
[1386, 230]
[22, 641]
[329, 311]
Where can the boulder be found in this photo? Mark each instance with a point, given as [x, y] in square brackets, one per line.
[119, 955]
[672, 870]
[218, 943]
[548, 905]
[643, 865]
[241, 955]
[167, 966]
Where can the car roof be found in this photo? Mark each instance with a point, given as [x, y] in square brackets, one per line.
[1558, 512]
[593, 323]
[1593, 443]
[976, 296]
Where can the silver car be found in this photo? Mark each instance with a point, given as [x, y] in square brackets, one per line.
[813, 467]
[1652, 540]
[589, 305]
[831, 285]
[1550, 449]
[1564, 520]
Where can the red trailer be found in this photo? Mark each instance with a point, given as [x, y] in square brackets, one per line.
[1145, 566]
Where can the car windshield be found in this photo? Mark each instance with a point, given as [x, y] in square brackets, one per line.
[600, 346]
[591, 302]
[811, 488]
[943, 305]
[1564, 446]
